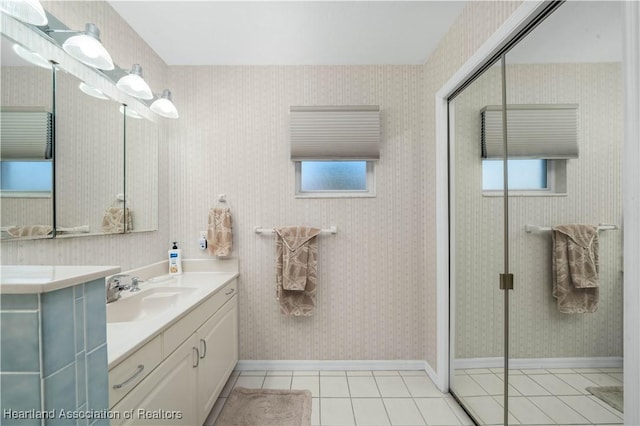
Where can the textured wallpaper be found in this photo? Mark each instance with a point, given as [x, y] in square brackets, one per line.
[233, 139]
[538, 330]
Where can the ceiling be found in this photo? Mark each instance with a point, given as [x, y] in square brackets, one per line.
[290, 32]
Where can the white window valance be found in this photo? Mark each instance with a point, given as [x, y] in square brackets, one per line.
[533, 131]
[335, 132]
[26, 134]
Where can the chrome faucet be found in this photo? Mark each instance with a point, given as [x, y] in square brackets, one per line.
[135, 284]
[115, 286]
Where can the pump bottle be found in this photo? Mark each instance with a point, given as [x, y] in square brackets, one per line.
[175, 260]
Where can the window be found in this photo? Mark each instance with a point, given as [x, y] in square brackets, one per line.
[317, 179]
[26, 178]
[526, 176]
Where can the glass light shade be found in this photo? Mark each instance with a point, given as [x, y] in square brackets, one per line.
[29, 11]
[86, 48]
[133, 84]
[31, 57]
[164, 107]
[129, 112]
[92, 91]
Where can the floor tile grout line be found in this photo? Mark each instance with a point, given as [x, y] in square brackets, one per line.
[386, 411]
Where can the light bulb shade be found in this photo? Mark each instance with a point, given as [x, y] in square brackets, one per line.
[29, 11]
[133, 84]
[86, 48]
[31, 57]
[92, 91]
[164, 107]
[129, 112]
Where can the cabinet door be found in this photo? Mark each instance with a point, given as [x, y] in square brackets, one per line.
[167, 396]
[218, 347]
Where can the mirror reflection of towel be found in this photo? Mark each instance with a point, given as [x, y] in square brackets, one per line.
[29, 230]
[113, 221]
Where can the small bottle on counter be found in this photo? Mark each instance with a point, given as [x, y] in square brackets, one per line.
[175, 260]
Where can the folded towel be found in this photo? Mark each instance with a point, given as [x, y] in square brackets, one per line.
[113, 221]
[219, 236]
[296, 269]
[575, 267]
[29, 230]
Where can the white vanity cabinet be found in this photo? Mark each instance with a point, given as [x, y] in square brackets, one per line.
[199, 352]
[167, 396]
[216, 359]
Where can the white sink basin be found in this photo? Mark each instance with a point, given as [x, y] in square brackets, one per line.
[146, 304]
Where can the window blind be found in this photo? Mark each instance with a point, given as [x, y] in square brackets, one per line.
[26, 134]
[533, 131]
[335, 132]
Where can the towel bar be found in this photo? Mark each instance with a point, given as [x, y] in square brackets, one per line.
[536, 229]
[258, 230]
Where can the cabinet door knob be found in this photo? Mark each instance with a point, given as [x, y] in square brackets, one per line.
[204, 350]
[139, 370]
[231, 290]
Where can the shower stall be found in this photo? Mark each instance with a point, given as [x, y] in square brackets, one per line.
[535, 143]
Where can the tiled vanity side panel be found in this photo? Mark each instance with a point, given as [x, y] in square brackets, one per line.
[20, 382]
[75, 375]
[54, 353]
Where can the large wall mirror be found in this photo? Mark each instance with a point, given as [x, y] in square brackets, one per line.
[102, 158]
[26, 145]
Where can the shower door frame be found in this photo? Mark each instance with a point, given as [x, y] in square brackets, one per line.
[507, 32]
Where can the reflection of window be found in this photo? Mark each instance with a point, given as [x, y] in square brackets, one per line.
[334, 178]
[26, 178]
[525, 176]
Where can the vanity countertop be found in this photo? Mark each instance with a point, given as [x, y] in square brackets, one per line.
[125, 337]
[30, 279]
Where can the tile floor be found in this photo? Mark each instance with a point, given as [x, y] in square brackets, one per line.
[538, 396]
[372, 398]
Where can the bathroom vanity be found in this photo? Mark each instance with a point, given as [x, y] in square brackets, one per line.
[54, 349]
[173, 344]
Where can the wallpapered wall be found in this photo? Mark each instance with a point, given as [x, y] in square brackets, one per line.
[233, 139]
[537, 329]
[377, 275]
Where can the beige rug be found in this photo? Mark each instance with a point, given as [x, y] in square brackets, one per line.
[266, 407]
[612, 395]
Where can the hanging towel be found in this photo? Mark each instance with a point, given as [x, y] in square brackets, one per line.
[219, 236]
[296, 269]
[114, 219]
[575, 267]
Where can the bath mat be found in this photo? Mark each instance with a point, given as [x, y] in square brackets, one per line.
[266, 407]
[612, 395]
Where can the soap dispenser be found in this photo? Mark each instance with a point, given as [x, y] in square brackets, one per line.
[175, 260]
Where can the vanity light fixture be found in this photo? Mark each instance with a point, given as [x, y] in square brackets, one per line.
[87, 48]
[133, 84]
[92, 91]
[29, 11]
[129, 112]
[164, 106]
[31, 57]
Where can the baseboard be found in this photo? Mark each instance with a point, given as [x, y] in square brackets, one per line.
[497, 362]
[245, 365]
